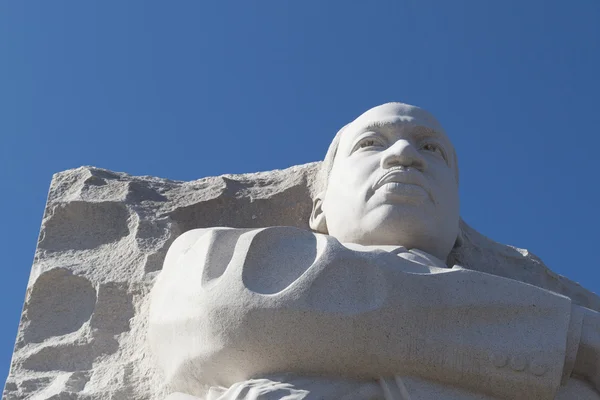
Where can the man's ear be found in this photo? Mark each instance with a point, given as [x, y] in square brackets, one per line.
[317, 216]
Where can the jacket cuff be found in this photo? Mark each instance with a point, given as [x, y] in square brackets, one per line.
[573, 338]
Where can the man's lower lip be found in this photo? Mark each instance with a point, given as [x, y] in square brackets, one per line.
[406, 189]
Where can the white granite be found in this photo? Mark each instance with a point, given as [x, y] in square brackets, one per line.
[103, 240]
[366, 308]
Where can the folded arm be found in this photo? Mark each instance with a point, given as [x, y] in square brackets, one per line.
[329, 310]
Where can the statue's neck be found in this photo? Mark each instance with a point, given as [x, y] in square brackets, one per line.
[374, 247]
[416, 254]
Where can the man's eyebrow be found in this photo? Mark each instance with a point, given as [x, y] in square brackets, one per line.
[420, 130]
[381, 124]
[424, 131]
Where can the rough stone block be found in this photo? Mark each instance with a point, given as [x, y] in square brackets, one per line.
[103, 240]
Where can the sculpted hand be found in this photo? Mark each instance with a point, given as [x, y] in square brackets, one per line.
[587, 362]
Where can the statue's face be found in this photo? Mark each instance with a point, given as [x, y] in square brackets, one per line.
[393, 182]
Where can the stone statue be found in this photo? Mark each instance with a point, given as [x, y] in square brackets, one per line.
[366, 306]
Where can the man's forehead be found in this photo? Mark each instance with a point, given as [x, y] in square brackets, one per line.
[396, 113]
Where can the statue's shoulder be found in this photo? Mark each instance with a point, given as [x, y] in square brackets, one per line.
[215, 241]
[201, 240]
[189, 238]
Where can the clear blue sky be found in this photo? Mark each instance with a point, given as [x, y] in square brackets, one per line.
[189, 89]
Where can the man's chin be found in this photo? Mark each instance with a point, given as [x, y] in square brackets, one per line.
[415, 212]
[389, 226]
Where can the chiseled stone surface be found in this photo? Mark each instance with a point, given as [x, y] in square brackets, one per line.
[365, 307]
[237, 304]
[103, 240]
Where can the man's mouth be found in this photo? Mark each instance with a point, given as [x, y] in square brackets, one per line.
[406, 181]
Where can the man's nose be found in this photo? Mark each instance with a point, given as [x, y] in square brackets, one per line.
[403, 154]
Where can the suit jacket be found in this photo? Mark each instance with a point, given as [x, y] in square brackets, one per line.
[235, 304]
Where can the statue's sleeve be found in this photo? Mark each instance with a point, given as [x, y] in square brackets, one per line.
[234, 304]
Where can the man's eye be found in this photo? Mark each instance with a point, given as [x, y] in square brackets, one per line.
[368, 143]
[433, 148]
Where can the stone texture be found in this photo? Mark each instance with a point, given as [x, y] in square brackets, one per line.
[286, 301]
[103, 240]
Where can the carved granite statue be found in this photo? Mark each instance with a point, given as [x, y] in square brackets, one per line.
[366, 306]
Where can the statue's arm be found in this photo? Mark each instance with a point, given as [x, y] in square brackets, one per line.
[231, 287]
[581, 356]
